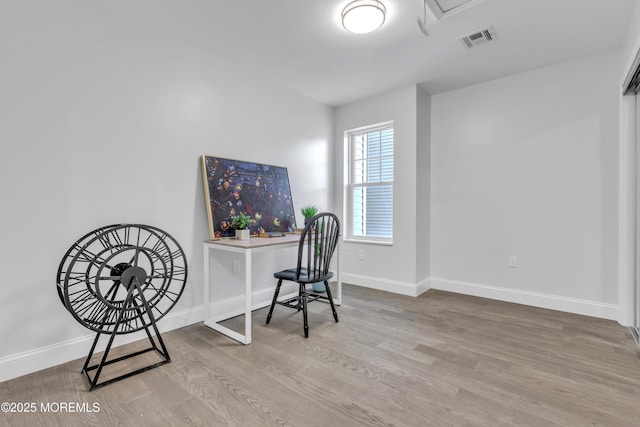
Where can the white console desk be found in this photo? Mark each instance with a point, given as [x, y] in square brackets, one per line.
[248, 248]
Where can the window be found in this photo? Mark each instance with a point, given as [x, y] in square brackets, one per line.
[370, 183]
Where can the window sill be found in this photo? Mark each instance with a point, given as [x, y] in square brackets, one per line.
[368, 241]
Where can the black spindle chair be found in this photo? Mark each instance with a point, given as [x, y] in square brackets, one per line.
[318, 242]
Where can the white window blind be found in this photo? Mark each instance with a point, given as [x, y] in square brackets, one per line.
[371, 183]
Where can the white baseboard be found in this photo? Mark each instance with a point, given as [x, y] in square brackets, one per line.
[395, 286]
[535, 299]
[231, 307]
[16, 365]
[27, 362]
[24, 363]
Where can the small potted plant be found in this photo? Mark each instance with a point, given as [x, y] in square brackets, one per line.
[309, 212]
[241, 224]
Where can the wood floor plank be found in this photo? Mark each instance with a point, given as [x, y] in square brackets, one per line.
[441, 359]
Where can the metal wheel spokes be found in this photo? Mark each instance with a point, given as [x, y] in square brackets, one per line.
[69, 256]
[116, 276]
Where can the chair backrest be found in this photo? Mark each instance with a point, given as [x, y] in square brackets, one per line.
[318, 242]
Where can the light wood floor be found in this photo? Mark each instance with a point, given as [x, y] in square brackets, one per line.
[439, 359]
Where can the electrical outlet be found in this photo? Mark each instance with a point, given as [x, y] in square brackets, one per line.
[513, 261]
[236, 266]
[361, 254]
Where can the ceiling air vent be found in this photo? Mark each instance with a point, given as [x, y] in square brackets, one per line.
[478, 37]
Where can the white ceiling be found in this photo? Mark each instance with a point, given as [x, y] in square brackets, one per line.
[301, 44]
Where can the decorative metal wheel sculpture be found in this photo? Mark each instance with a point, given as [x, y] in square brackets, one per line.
[121, 279]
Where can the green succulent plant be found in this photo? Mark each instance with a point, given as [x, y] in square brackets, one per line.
[241, 221]
[309, 211]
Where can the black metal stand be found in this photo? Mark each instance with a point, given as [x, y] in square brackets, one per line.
[133, 285]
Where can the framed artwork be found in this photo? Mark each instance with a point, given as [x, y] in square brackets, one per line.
[260, 191]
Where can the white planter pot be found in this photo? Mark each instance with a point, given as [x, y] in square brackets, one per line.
[242, 234]
[319, 287]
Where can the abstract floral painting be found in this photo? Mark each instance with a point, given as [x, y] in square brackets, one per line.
[261, 191]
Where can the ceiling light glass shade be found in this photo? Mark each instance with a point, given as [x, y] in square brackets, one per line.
[363, 16]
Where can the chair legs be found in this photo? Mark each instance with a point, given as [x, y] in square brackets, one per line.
[333, 307]
[302, 289]
[303, 299]
[273, 303]
[302, 303]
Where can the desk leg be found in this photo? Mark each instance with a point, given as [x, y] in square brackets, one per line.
[338, 277]
[206, 284]
[209, 319]
[247, 297]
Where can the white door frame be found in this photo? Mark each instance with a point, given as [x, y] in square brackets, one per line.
[629, 306]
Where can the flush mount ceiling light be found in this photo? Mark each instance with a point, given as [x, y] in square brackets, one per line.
[363, 16]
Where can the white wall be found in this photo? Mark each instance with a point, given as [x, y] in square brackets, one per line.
[527, 166]
[632, 40]
[103, 122]
[387, 267]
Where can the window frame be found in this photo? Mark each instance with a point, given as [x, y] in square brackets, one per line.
[350, 184]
